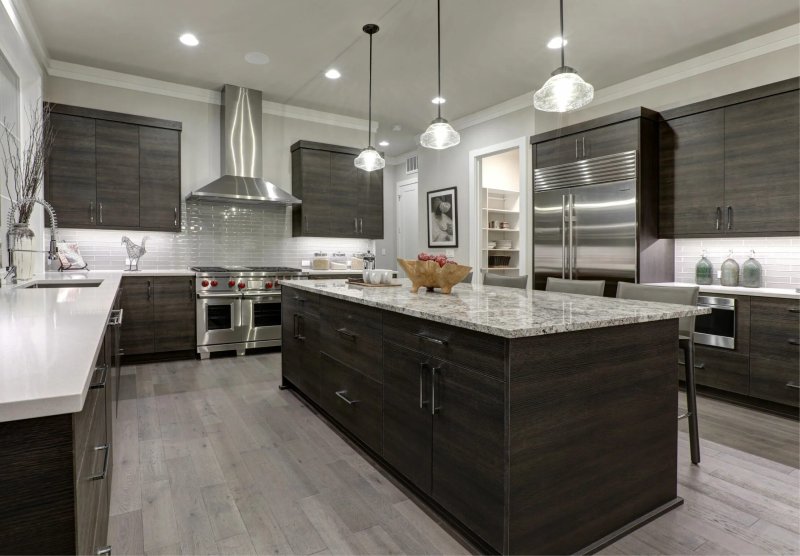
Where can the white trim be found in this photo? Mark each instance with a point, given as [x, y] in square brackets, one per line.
[401, 158]
[409, 181]
[31, 33]
[98, 76]
[739, 52]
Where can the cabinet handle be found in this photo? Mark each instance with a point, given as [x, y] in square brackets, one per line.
[104, 551]
[347, 334]
[102, 382]
[361, 225]
[91, 212]
[430, 339]
[107, 448]
[794, 310]
[175, 212]
[299, 299]
[148, 290]
[793, 385]
[343, 395]
[100, 207]
[298, 321]
[355, 225]
[421, 382]
[434, 370]
[696, 365]
[576, 149]
[794, 341]
[730, 217]
[583, 146]
[718, 217]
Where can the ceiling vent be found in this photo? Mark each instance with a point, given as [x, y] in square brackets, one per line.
[411, 165]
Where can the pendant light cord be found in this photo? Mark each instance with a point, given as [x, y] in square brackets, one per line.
[561, 9]
[369, 125]
[439, 56]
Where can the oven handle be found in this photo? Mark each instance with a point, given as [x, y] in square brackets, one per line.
[218, 295]
[264, 298]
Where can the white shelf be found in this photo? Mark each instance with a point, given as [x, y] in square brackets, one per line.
[503, 211]
[501, 229]
[500, 268]
[509, 191]
[508, 250]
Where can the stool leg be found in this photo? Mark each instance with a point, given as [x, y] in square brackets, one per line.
[691, 400]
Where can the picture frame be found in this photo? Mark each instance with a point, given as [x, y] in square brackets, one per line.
[442, 218]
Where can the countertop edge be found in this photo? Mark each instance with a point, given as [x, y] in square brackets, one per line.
[780, 293]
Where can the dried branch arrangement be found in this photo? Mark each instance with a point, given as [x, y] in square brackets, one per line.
[23, 164]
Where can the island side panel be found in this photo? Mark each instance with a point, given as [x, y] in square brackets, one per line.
[593, 433]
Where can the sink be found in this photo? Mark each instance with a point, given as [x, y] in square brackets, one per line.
[50, 284]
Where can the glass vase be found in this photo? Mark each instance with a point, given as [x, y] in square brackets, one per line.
[704, 271]
[751, 272]
[730, 272]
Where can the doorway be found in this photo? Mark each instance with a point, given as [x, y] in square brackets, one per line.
[407, 220]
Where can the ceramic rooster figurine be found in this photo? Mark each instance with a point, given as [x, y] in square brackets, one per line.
[135, 252]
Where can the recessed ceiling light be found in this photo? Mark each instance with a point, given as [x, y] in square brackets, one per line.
[383, 144]
[555, 42]
[189, 39]
[333, 74]
[257, 58]
[438, 100]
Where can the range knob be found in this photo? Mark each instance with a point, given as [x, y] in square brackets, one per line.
[268, 285]
[241, 285]
[214, 283]
[231, 283]
[204, 283]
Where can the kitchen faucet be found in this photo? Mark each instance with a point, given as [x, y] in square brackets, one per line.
[11, 239]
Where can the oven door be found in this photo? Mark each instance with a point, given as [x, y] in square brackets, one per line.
[219, 319]
[261, 317]
[718, 328]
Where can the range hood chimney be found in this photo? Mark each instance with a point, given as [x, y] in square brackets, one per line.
[240, 146]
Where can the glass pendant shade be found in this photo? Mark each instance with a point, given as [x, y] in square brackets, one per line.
[370, 160]
[563, 92]
[440, 135]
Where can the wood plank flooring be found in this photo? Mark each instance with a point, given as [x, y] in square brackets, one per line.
[211, 458]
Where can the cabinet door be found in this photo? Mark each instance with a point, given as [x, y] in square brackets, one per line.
[300, 351]
[611, 139]
[468, 440]
[407, 413]
[762, 154]
[719, 368]
[117, 161]
[69, 179]
[692, 177]
[159, 179]
[774, 380]
[370, 204]
[558, 151]
[344, 196]
[137, 334]
[174, 306]
[314, 169]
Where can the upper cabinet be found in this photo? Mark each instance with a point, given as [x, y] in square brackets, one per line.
[339, 200]
[113, 171]
[728, 166]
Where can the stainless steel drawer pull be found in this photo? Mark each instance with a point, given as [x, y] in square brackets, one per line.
[100, 206]
[719, 217]
[102, 382]
[299, 299]
[175, 221]
[91, 212]
[794, 341]
[106, 550]
[730, 217]
[434, 370]
[794, 310]
[793, 385]
[347, 334]
[343, 395]
[298, 320]
[430, 339]
[107, 448]
[421, 384]
[696, 365]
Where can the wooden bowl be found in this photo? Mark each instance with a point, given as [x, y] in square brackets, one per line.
[428, 274]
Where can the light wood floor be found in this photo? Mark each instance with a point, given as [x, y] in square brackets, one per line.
[211, 458]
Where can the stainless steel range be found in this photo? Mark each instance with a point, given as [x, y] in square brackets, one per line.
[239, 307]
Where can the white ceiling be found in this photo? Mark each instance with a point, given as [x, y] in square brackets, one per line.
[493, 50]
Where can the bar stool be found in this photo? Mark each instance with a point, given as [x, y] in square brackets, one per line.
[583, 287]
[490, 279]
[681, 296]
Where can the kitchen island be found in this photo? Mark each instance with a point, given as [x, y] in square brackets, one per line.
[535, 422]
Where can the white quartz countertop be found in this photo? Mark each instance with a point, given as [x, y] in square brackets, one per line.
[49, 341]
[143, 272]
[785, 293]
[334, 272]
[506, 312]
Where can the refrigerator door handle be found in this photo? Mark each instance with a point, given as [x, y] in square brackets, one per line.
[564, 232]
[571, 253]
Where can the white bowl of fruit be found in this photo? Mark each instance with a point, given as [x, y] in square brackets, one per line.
[434, 271]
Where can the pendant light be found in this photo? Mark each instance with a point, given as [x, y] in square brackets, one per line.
[565, 90]
[440, 134]
[369, 159]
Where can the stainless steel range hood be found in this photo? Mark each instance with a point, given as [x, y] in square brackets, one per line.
[241, 181]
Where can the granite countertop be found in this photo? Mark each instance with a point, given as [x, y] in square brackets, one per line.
[49, 341]
[786, 293]
[337, 272]
[506, 312]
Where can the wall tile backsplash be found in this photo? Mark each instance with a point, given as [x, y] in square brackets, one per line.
[779, 257]
[212, 234]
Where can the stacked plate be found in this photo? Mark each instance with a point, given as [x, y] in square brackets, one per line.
[503, 244]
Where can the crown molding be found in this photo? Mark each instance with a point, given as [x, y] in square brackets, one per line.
[98, 76]
[739, 52]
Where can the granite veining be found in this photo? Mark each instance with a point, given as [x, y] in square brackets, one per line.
[505, 312]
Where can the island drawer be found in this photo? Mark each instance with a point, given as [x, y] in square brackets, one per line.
[775, 329]
[352, 399]
[720, 368]
[90, 481]
[777, 381]
[82, 421]
[299, 301]
[482, 352]
[351, 333]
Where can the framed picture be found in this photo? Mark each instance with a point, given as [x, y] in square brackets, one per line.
[442, 220]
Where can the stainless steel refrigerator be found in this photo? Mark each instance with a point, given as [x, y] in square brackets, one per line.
[585, 221]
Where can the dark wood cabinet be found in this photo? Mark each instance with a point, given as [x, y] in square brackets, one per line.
[70, 178]
[159, 172]
[351, 333]
[113, 171]
[174, 305]
[720, 368]
[339, 200]
[775, 350]
[159, 314]
[729, 165]
[300, 344]
[611, 138]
